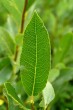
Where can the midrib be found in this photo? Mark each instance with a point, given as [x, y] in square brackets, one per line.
[36, 60]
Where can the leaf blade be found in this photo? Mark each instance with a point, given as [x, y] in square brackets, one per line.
[7, 42]
[5, 70]
[63, 49]
[48, 94]
[12, 93]
[35, 45]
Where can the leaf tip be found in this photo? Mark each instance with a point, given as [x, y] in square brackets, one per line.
[35, 13]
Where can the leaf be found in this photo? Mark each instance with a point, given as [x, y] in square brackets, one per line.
[5, 70]
[48, 94]
[12, 93]
[35, 57]
[3, 15]
[5, 74]
[63, 48]
[61, 84]
[53, 74]
[10, 103]
[7, 42]
[65, 76]
[15, 8]
[30, 2]
[4, 62]
[11, 27]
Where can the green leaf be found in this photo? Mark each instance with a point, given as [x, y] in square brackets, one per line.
[48, 94]
[7, 42]
[11, 27]
[12, 93]
[53, 74]
[30, 2]
[35, 57]
[62, 84]
[4, 62]
[3, 15]
[63, 48]
[65, 75]
[5, 70]
[5, 74]
[10, 103]
[15, 8]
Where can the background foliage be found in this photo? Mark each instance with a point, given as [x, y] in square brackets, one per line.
[57, 16]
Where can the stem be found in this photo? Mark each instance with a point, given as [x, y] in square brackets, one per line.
[32, 103]
[16, 54]
[23, 16]
[32, 106]
[22, 26]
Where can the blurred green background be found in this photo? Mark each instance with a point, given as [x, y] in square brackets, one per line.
[57, 16]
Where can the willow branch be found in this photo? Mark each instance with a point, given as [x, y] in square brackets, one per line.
[23, 16]
[22, 25]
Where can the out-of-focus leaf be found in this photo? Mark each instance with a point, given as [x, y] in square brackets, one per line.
[5, 70]
[60, 66]
[19, 88]
[53, 74]
[63, 86]
[48, 94]
[5, 74]
[50, 21]
[7, 42]
[3, 14]
[30, 2]
[3, 17]
[2, 107]
[42, 104]
[12, 93]
[15, 8]
[65, 76]
[10, 26]
[3, 62]
[67, 5]
[10, 103]
[35, 57]
[63, 48]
